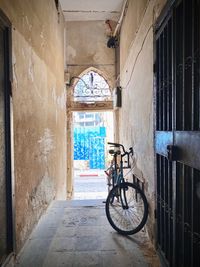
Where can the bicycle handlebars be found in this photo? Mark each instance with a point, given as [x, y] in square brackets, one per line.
[120, 145]
[117, 145]
[125, 153]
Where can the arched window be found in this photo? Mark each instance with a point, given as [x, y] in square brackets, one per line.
[92, 87]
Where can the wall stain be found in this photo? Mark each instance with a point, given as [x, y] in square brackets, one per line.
[46, 144]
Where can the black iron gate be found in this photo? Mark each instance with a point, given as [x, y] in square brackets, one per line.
[177, 137]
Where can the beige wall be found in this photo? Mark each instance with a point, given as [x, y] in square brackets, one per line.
[39, 113]
[131, 22]
[86, 46]
[136, 115]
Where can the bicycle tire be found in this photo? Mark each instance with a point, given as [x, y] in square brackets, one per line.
[125, 219]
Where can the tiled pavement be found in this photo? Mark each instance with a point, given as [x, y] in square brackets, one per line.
[76, 233]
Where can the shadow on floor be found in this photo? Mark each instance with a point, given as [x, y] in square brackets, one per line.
[76, 233]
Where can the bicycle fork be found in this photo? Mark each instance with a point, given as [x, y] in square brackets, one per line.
[123, 197]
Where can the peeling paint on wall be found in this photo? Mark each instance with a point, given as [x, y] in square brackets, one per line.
[15, 80]
[71, 52]
[59, 100]
[31, 69]
[43, 193]
[46, 144]
[28, 23]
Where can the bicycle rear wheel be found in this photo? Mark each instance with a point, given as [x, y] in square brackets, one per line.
[126, 208]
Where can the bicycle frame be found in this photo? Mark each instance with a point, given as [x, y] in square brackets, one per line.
[121, 206]
[117, 174]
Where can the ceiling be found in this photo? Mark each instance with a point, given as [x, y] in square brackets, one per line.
[83, 10]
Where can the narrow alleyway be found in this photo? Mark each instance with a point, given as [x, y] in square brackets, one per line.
[76, 233]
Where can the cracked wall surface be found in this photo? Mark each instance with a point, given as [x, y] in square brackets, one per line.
[136, 122]
[39, 109]
[86, 46]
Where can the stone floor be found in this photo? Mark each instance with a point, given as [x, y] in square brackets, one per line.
[76, 233]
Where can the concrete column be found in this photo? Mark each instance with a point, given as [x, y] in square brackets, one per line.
[69, 154]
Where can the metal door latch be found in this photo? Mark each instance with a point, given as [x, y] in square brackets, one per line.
[172, 153]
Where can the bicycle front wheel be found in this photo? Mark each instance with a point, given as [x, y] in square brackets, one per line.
[126, 208]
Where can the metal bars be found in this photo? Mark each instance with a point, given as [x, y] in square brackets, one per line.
[187, 217]
[178, 124]
[186, 36]
[165, 214]
[183, 30]
[196, 65]
[164, 79]
[185, 214]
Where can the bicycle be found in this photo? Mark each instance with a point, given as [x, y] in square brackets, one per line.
[126, 204]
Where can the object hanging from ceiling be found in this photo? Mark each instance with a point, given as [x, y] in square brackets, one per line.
[113, 40]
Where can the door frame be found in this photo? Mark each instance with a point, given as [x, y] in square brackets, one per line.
[9, 155]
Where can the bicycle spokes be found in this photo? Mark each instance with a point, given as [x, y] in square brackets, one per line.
[126, 214]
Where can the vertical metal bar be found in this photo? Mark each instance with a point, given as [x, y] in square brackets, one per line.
[177, 233]
[196, 220]
[192, 74]
[179, 215]
[192, 213]
[170, 74]
[158, 196]
[188, 114]
[182, 174]
[182, 57]
[196, 66]
[174, 212]
[166, 209]
[161, 83]
[170, 218]
[174, 115]
[162, 202]
[187, 216]
[157, 85]
[169, 210]
[160, 178]
[164, 79]
[197, 7]
[182, 215]
[167, 78]
[179, 66]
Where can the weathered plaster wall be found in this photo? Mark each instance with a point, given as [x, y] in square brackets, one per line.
[86, 46]
[132, 20]
[39, 109]
[136, 115]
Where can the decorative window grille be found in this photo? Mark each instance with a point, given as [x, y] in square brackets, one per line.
[92, 87]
